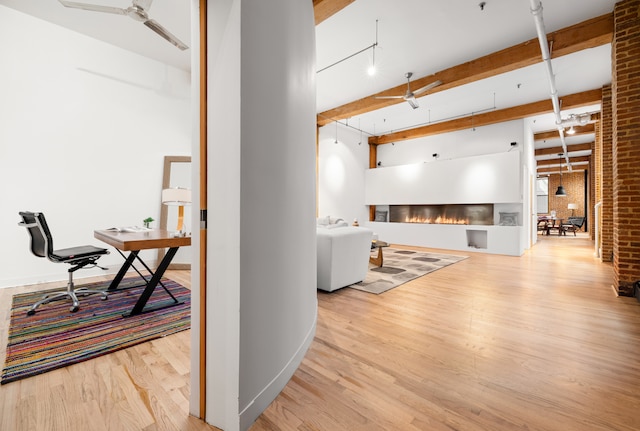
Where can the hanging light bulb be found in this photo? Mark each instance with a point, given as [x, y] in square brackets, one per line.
[336, 141]
[571, 131]
[372, 69]
[560, 192]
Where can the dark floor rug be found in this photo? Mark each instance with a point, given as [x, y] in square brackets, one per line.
[400, 266]
[54, 337]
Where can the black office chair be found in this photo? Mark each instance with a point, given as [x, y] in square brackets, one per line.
[78, 257]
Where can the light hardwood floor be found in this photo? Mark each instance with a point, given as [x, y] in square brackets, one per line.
[538, 342]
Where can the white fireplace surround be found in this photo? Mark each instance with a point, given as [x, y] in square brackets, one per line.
[492, 178]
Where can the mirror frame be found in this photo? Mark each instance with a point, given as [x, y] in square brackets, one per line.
[164, 210]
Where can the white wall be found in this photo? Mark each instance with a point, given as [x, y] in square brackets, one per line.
[342, 166]
[491, 139]
[492, 178]
[261, 251]
[84, 128]
[531, 175]
[341, 170]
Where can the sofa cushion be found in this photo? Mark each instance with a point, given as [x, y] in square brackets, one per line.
[322, 221]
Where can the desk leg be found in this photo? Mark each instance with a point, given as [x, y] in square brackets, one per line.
[123, 270]
[152, 284]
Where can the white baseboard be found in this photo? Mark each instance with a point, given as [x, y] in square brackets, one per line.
[273, 389]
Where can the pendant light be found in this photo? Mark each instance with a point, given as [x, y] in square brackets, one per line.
[372, 69]
[560, 192]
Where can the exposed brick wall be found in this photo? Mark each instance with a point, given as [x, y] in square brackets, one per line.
[596, 174]
[626, 145]
[574, 185]
[592, 195]
[606, 227]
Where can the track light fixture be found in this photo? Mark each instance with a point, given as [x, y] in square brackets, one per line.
[576, 120]
[371, 70]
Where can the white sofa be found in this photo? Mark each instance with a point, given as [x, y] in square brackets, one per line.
[343, 254]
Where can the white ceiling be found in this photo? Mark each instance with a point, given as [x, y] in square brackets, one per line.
[120, 30]
[425, 37]
[416, 36]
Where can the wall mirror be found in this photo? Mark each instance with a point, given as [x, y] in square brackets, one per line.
[177, 173]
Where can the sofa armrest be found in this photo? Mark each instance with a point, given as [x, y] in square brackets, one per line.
[343, 256]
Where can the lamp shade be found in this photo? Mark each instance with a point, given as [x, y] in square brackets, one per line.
[176, 196]
[572, 206]
[560, 191]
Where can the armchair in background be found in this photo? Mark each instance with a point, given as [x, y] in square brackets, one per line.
[573, 224]
[78, 257]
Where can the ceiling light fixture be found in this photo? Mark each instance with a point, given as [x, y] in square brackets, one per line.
[576, 120]
[571, 131]
[560, 192]
[372, 46]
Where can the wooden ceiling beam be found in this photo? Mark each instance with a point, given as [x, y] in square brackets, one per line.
[587, 34]
[555, 134]
[556, 162]
[324, 9]
[574, 168]
[548, 172]
[493, 117]
[557, 150]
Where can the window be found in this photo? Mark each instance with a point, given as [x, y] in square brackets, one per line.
[542, 195]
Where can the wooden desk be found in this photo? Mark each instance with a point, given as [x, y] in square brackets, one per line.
[134, 242]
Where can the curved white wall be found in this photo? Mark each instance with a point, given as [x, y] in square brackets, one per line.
[261, 263]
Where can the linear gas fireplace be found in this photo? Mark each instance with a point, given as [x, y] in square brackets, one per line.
[466, 214]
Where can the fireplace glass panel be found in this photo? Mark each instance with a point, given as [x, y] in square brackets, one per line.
[467, 214]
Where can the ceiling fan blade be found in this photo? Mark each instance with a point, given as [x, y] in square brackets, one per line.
[413, 102]
[153, 25]
[427, 87]
[93, 7]
[389, 97]
[144, 4]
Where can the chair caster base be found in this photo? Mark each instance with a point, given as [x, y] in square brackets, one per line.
[74, 309]
[31, 312]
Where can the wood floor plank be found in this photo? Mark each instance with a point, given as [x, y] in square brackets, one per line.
[490, 343]
[538, 342]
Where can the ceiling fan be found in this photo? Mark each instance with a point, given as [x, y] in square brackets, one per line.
[137, 11]
[410, 96]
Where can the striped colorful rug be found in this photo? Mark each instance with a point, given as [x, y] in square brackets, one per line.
[54, 337]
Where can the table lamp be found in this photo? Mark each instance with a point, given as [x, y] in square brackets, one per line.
[572, 207]
[180, 197]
